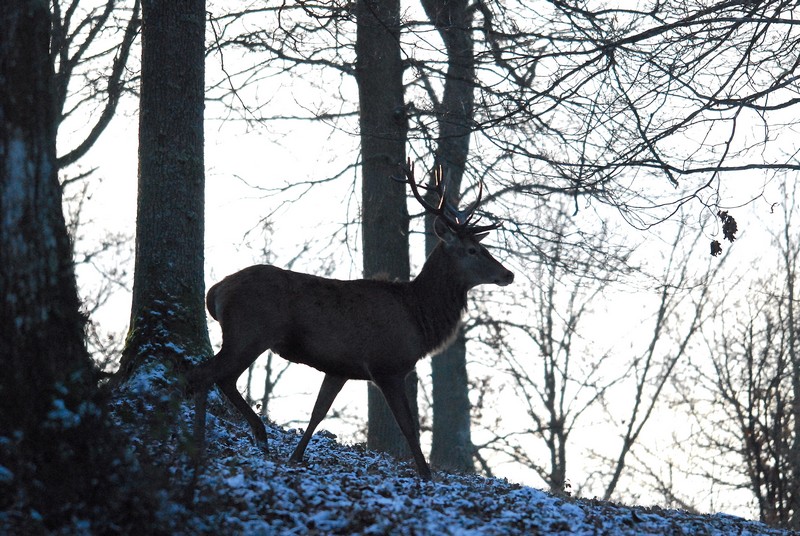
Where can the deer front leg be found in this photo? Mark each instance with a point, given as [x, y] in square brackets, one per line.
[331, 386]
[394, 392]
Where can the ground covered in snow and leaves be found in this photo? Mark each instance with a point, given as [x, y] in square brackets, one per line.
[155, 489]
[350, 490]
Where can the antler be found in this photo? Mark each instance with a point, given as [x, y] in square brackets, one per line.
[458, 220]
[408, 171]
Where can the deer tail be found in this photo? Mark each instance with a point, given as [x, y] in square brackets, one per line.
[211, 302]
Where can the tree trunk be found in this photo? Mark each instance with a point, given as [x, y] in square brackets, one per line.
[57, 449]
[383, 123]
[452, 445]
[452, 442]
[168, 320]
[42, 328]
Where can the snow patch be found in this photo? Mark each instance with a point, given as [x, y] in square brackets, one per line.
[6, 475]
[341, 489]
[18, 168]
[62, 416]
[178, 350]
[148, 378]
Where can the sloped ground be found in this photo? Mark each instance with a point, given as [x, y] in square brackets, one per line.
[348, 490]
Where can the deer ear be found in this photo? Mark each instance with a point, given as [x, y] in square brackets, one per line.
[480, 236]
[443, 231]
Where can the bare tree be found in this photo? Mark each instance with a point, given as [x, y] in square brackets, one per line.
[91, 47]
[92, 71]
[562, 376]
[272, 375]
[451, 446]
[747, 416]
[40, 304]
[383, 128]
[565, 381]
[669, 344]
[645, 108]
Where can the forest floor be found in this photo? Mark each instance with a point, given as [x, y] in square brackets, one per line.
[341, 489]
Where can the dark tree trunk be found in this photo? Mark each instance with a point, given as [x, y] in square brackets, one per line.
[379, 73]
[168, 312]
[452, 447]
[57, 447]
[452, 443]
[41, 326]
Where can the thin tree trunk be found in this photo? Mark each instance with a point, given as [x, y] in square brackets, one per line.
[790, 257]
[383, 123]
[452, 446]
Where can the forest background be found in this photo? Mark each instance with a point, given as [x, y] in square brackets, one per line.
[628, 362]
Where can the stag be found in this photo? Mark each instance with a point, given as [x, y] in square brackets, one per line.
[364, 329]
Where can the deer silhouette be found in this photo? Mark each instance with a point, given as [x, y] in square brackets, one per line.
[363, 329]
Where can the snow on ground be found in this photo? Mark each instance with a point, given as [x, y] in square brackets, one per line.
[350, 490]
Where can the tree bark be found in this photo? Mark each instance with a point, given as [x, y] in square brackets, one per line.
[168, 311]
[452, 447]
[383, 123]
[58, 452]
[42, 341]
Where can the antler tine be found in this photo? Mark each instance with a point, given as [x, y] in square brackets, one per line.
[470, 214]
[408, 170]
[462, 218]
[476, 229]
[470, 210]
[457, 219]
[440, 187]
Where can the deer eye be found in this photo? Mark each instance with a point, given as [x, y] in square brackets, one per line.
[472, 250]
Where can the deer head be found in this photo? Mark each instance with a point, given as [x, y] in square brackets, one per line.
[459, 233]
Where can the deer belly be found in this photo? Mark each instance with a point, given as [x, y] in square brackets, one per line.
[325, 359]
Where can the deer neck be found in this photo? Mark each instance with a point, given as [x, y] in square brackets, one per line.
[437, 301]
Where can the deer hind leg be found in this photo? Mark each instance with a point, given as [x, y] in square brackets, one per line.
[223, 370]
[331, 386]
[199, 381]
[394, 392]
[229, 361]
[228, 387]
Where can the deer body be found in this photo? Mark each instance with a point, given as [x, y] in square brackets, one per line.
[362, 330]
[354, 328]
